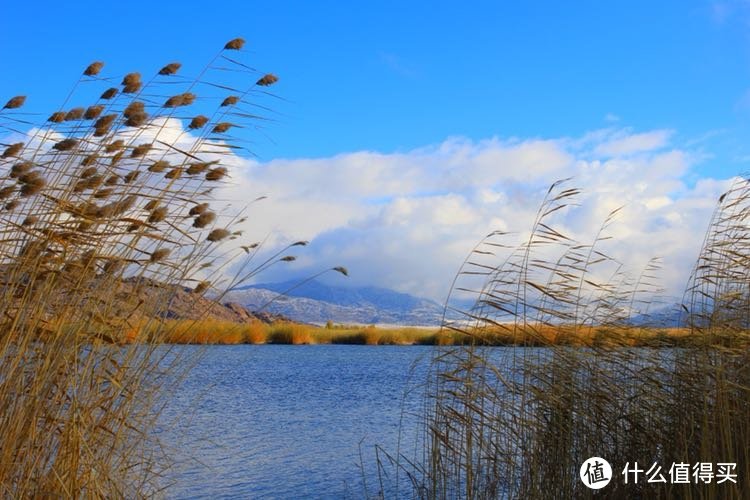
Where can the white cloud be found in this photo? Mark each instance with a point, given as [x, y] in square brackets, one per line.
[626, 143]
[407, 220]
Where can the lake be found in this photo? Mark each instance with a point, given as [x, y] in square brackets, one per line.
[281, 421]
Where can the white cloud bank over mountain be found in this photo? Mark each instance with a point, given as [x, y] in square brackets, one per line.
[406, 220]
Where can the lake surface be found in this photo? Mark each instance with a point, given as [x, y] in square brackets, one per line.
[280, 421]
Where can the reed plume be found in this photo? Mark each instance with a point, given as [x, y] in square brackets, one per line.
[99, 230]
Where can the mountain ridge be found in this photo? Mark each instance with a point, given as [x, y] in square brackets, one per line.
[317, 302]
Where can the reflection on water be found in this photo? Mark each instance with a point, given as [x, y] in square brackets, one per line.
[287, 421]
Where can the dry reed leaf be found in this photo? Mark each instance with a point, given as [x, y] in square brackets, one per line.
[222, 127]
[267, 80]
[175, 173]
[158, 214]
[30, 220]
[216, 174]
[103, 124]
[159, 166]
[115, 158]
[89, 159]
[198, 209]
[13, 150]
[88, 172]
[93, 112]
[114, 146]
[6, 192]
[57, 117]
[31, 183]
[141, 150]
[170, 69]
[235, 44]
[94, 68]
[198, 122]
[198, 168]
[109, 93]
[15, 102]
[132, 83]
[66, 145]
[132, 108]
[19, 169]
[159, 254]
[103, 193]
[131, 176]
[136, 120]
[74, 114]
[113, 265]
[204, 219]
[184, 99]
[218, 235]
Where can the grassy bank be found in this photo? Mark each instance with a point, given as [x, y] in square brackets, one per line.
[229, 333]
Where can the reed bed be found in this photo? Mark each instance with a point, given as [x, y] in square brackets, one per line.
[520, 423]
[101, 199]
[209, 331]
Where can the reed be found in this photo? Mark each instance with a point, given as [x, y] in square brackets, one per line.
[519, 423]
[87, 272]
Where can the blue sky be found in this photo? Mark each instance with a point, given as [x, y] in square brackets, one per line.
[388, 106]
[389, 76]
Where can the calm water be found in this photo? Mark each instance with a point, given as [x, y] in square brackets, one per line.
[277, 421]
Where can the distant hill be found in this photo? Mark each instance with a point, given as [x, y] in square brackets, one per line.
[668, 316]
[317, 302]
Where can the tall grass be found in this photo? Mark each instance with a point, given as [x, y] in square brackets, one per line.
[211, 331]
[519, 423]
[104, 198]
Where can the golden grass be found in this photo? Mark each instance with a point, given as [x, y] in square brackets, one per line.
[519, 423]
[77, 249]
[230, 333]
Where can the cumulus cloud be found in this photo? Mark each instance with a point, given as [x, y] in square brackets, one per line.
[406, 220]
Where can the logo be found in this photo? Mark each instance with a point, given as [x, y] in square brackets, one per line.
[596, 473]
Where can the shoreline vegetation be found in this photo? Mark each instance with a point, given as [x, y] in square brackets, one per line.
[213, 332]
[520, 425]
[108, 207]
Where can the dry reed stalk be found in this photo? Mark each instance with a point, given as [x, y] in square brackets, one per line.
[84, 269]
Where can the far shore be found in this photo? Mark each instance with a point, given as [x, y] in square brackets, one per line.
[207, 332]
